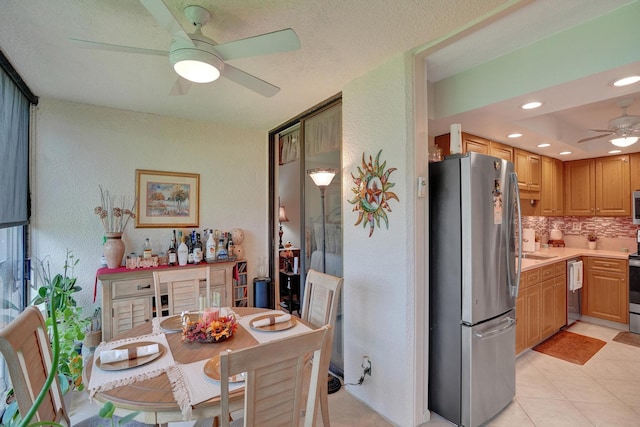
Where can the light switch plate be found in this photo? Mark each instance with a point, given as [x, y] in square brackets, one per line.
[422, 186]
[577, 226]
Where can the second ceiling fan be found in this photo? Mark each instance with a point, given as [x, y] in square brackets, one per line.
[197, 58]
[624, 127]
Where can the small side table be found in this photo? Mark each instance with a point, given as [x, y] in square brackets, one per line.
[290, 287]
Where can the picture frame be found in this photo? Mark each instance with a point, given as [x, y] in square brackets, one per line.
[167, 199]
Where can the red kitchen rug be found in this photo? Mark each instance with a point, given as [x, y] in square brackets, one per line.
[574, 348]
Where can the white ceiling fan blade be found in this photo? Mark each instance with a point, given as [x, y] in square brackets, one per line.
[250, 82]
[596, 137]
[165, 18]
[264, 44]
[181, 87]
[87, 44]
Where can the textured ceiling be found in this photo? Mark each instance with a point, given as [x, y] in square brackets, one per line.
[341, 40]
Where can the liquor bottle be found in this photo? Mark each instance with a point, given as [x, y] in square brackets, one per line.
[211, 247]
[183, 252]
[222, 249]
[172, 254]
[146, 249]
[197, 250]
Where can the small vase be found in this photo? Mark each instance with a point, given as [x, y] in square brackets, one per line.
[114, 250]
[592, 245]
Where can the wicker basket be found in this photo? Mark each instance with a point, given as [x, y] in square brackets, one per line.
[92, 339]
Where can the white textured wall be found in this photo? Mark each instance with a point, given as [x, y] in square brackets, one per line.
[78, 147]
[379, 270]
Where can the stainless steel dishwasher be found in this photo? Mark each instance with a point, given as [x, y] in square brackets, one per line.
[574, 290]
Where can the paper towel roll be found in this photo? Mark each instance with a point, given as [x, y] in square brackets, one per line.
[455, 139]
[528, 240]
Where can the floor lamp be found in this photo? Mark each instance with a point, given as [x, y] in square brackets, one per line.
[322, 177]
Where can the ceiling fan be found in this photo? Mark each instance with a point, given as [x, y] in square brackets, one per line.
[197, 58]
[624, 127]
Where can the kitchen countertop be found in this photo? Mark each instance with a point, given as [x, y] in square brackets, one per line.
[563, 254]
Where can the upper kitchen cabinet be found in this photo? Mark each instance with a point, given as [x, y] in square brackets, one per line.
[528, 168]
[551, 199]
[501, 150]
[598, 187]
[477, 144]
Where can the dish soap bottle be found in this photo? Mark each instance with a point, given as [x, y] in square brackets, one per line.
[183, 253]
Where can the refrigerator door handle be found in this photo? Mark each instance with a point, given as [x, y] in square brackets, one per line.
[509, 322]
[515, 288]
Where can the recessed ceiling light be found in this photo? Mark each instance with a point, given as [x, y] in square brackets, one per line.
[544, 145]
[625, 81]
[514, 135]
[564, 153]
[615, 151]
[531, 105]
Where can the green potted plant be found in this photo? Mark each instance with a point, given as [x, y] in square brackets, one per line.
[59, 290]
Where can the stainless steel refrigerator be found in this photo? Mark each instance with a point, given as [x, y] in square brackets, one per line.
[474, 272]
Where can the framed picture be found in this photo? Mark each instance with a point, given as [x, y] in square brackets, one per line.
[167, 199]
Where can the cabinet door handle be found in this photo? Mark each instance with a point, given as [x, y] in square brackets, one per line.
[140, 287]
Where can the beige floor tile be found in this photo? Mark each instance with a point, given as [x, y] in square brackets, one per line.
[615, 414]
[593, 330]
[553, 412]
[618, 351]
[512, 415]
[627, 391]
[531, 383]
[582, 389]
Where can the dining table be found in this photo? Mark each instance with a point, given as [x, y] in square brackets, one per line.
[158, 392]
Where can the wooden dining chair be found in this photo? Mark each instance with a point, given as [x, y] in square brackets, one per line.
[183, 289]
[25, 345]
[320, 307]
[274, 380]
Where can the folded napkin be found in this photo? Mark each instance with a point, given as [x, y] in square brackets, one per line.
[272, 320]
[110, 356]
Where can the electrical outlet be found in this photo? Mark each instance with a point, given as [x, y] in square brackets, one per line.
[577, 226]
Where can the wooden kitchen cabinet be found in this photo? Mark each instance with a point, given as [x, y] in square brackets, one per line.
[551, 195]
[527, 166]
[502, 151]
[634, 171]
[541, 305]
[128, 297]
[598, 187]
[607, 289]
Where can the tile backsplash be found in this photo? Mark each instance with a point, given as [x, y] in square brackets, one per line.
[575, 226]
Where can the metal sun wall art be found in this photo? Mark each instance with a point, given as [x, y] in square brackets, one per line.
[371, 193]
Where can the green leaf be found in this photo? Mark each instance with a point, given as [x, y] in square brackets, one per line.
[107, 410]
[126, 419]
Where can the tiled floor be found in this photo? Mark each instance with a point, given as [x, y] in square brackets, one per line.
[549, 392]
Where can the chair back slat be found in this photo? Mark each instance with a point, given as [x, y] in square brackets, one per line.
[183, 288]
[274, 384]
[25, 345]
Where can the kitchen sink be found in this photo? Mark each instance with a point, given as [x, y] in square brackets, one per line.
[537, 256]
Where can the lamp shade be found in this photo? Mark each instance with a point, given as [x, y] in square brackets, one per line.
[282, 215]
[625, 141]
[322, 177]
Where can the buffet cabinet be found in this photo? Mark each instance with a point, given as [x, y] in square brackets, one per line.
[128, 297]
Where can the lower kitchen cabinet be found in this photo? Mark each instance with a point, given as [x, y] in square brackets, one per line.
[541, 305]
[607, 289]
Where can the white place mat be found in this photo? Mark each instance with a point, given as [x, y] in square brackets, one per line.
[107, 380]
[191, 386]
[266, 336]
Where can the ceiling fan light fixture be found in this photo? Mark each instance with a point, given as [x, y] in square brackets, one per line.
[196, 65]
[624, 141]
[626, 81]
[531, 105]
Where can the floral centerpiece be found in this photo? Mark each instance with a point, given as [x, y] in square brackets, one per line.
[114, 220]
[215, 331]
[591, 237]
